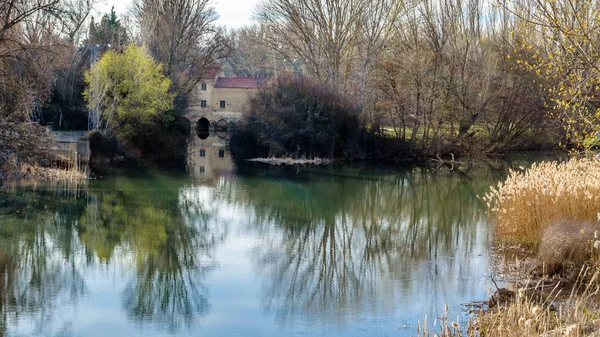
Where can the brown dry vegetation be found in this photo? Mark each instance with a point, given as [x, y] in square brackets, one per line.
[530, 201]
[570, 313]
[552, 209]
[70, 172]
[566, 246]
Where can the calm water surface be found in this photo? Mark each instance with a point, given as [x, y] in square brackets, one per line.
[281, 252]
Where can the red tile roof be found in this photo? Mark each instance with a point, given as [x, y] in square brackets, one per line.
[241, 82]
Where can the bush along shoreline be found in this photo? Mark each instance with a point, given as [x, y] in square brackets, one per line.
[40, 163]
[547, 228]
[302, 118]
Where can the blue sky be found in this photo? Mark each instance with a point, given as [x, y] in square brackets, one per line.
[232, 13]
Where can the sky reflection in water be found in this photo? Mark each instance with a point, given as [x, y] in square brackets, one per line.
[311, 252]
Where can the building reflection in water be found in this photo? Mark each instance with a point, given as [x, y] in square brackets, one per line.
[208, 156]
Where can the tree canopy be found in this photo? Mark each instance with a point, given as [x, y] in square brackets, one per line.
[108, 31]
[562, 46]
[129, 89]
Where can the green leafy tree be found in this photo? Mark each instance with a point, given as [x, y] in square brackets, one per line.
[129, 91]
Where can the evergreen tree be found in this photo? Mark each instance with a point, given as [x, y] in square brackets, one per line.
[108, 31]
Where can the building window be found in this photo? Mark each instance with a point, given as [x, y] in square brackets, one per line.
[221, 153]
[203, 103]
[201, 169]
[222, 104]
[202, 153]
[203, 86]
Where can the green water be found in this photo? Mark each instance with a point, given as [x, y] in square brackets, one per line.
[283, 252]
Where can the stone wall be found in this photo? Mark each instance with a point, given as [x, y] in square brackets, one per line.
[235, 98]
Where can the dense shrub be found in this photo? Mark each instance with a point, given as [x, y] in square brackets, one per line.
[102, 145]
[164, 141]
[299, 118]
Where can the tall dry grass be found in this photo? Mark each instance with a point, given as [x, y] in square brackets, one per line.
[73, 172]
[531, 200]
[574, 314]
[66, 171]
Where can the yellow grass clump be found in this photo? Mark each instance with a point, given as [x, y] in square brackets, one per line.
[529, 201]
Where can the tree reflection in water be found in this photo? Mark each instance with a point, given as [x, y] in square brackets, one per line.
[172, 252]
[37, 260]
[137, 222]
[336, 245]
[330, 246]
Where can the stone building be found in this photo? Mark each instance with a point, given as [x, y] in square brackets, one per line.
[216, 93]
[217, 104]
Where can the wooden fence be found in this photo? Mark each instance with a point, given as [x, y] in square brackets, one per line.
[71, 146]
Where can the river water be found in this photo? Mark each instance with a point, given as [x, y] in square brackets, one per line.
[275, 252]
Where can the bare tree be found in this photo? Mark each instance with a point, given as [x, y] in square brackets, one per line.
[446, 81]
[379, 25]
[183, 36]
[75, 13]
[28, 43]
[250, 55]
[15, 12]
[323, 34]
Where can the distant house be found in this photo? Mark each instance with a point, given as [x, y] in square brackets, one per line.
[216, 93]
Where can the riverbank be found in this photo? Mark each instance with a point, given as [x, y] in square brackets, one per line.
[532, 306]
[75, 172]
[547, 235]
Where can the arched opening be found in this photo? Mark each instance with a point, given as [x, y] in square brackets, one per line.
[221, 134]
[221, 125]
[202, 124]
[202, 134]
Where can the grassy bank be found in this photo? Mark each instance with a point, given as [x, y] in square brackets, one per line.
[552, 211]
[36, 172]
[532, 311]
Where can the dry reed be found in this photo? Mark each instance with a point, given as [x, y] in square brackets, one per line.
[574, 314]
[556, 205]
[531, 200]
[72, 171]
